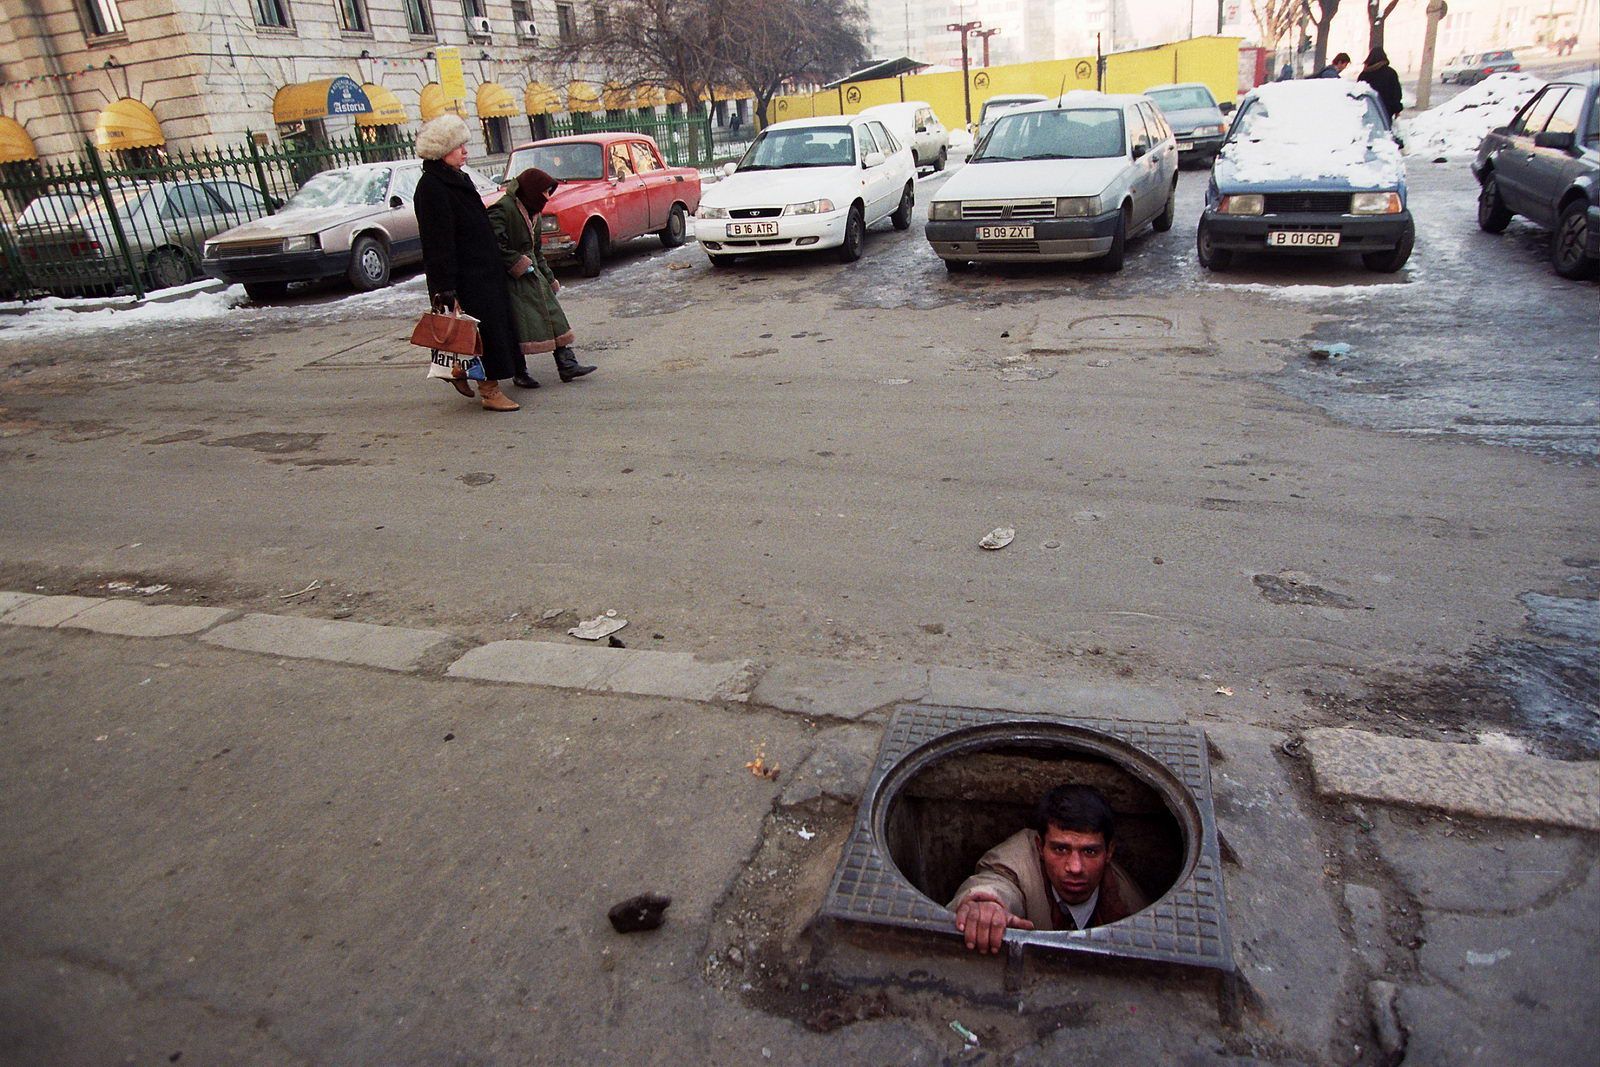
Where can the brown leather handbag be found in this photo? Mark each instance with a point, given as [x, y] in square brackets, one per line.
[448, 331]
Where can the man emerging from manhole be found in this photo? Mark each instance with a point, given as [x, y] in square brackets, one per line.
[1057, 876]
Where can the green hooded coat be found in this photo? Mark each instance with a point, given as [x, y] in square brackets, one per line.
[541, 324]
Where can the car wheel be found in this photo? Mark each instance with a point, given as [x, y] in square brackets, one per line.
[1493, 215]
[1569, 243]
[944, 157]
[1163, 222]
[167, 267]
[261, 292]
[369, 264]
[1211, 257]
[855, 235]
[677, 228]
[1111, 262]
[719, 260]
[958, 266]
[902, 214]
[1392, 260]
[590, 252]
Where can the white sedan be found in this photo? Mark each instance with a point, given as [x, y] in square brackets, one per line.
[808, 184]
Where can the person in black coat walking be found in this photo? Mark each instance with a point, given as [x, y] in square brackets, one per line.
[462, 259]
[1377, 73]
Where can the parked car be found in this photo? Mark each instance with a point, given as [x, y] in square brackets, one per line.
[1068, 179]
[1545, 166]
[1197, 122]
[1474, 67]
[614, 187]
[357, 222]
[1308, 167]
[914, 123]
[809, 184]
[165, 224]
[993, 106]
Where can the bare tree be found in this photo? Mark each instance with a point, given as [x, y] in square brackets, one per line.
[1276, 19]
[674, 44]
[1378, 12]
[787, 41]
[1326, 9]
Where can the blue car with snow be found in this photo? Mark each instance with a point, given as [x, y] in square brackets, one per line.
[1308, 167]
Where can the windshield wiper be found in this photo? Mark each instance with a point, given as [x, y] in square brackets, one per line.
[992, 159]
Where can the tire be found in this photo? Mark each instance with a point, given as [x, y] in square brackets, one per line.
[958, 266]
[902, 214]
[1493, 215]
[944, 157]
[717, 260]
[591, 251]
[855, 235]
[167, 267]
[676, 231]
[261, 292]
[1211, 257]
[1111, 262]
[369, 264]
[1568, 243]
[1163, 222]
[1392, 260]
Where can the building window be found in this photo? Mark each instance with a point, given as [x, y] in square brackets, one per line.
[103, 17]
[418, 19]
[519, 12]
[599, 20]
[352, 17]
[566, 22]
[475, 9]
[496, 134]
[273, 13]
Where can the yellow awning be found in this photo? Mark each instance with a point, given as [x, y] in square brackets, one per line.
[540, 99]
[127, 123]
[581, 96]
[15, 144]
[671, 96]
[434, 103]
[387, 110]
[617, 95]
[496, 102]
[650, 96]
[319, 99]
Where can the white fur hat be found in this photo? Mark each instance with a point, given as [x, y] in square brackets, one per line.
[440, 136]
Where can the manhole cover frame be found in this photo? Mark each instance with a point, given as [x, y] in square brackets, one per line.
[1187, 926]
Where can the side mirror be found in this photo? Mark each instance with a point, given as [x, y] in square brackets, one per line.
[873, 159]
[1226, 107]
[397, 201]
[1140, 151]
[1563, 141]
[727, 169]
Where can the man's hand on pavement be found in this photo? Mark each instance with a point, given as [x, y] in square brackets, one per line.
[984, 920]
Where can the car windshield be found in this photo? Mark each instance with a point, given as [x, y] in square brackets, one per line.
[56, 208]
[578, 161]
[809, 146]
[1357, 119]
[342, 188]
[1082, 133]
[1184, 99]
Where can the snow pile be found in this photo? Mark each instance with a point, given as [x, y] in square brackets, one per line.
[1455, 127]
[1310, 129]
[54, 316]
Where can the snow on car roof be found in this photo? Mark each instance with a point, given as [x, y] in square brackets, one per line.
[1314, 128]
[826, 120]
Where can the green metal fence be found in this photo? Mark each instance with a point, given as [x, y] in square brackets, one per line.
[132, 222]
[684, 142]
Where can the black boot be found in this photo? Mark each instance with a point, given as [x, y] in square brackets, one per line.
[520, 377]
[567, 365]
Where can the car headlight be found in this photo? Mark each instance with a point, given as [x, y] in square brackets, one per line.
[1376, 204]
[708, 212]
[208, 250]
[1207, 131]
[549, 224]
[944, 210]
[810, 207]
[1077, 207]
[300, 244]
[1249, 204]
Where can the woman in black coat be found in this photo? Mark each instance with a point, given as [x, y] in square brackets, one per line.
[462, 259]
[1377, 73]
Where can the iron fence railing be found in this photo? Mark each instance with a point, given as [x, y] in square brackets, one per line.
[133, 222]
[684, 142]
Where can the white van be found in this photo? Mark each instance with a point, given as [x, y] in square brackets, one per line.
[915, 123]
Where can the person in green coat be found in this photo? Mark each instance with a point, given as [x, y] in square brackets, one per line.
[541, 324]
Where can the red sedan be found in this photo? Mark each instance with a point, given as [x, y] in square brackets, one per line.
[614, 187]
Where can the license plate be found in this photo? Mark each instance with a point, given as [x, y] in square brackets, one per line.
[1303, 239]
[1005, 233]
[1186, 146]
[752, 229]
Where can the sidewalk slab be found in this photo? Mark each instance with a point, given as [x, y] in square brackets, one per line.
[961, 687]
[393, 648]
[837, 688]
[49, 610]
[538, 663]
[1461, 779]
[129, 618]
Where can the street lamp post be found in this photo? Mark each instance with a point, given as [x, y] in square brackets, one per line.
[964, 28]
[984, 35]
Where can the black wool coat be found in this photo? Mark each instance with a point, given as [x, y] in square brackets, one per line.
[1387, 85]
[460, 256]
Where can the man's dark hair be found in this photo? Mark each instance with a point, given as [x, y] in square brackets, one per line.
[1078, 808]
[1342, 57]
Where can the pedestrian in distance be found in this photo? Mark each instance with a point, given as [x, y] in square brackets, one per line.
[461, 259]
[540, 323]
[735, 121]
[1286, 74]
[1336, 68]
[1377, 73]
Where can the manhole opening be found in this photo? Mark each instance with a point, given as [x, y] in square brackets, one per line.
[947, 815]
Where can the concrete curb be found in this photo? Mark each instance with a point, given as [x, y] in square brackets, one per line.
[393, 648]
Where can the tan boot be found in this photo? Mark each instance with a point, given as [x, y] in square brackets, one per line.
[494, 400]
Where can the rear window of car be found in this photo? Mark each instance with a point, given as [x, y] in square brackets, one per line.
[1181, 99]
[1495, 57]
[580, 161]
[46, 209]
[1082, 133]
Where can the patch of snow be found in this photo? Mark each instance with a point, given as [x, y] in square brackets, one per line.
[55, 316]
[1310, 129]
[1310, 293]
[1454, 128]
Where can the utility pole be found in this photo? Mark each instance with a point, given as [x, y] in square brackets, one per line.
[964, 28]
[984, 35]
[1437, 10]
